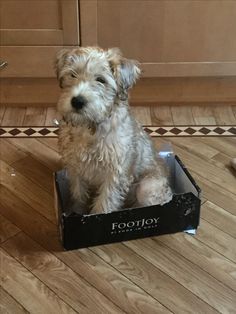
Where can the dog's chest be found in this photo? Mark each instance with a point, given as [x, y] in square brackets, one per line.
[89, 154]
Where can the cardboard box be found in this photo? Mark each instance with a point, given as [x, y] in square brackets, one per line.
[181, 214]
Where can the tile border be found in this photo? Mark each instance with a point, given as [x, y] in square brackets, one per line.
[154, 131]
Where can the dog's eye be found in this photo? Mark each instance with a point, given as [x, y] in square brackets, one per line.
[73, 75]
[100, 80]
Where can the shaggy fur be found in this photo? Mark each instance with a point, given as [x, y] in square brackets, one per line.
[109, 158]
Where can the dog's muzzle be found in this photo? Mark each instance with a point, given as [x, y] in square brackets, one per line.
[78, 102]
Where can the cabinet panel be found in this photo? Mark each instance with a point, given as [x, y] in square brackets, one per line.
[28, 61]
[40, 37]
[36, 23]
[170, 31]
[30, 14]
[29, 43]
[169, 38]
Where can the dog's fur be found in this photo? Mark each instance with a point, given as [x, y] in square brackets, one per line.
[104, 149]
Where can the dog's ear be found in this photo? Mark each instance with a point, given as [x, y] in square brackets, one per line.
[64, 57]
[129, 72]
[125, 71]
[60, 62]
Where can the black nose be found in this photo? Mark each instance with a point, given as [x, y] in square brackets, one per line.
[78, 102]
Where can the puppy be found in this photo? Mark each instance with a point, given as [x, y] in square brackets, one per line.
[108, 156]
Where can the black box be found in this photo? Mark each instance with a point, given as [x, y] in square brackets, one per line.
[180, 214]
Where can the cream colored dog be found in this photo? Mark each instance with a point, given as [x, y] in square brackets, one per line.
[105, 150]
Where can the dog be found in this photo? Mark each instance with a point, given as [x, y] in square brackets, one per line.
[109, 158]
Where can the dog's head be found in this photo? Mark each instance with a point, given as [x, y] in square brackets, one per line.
[93, 81]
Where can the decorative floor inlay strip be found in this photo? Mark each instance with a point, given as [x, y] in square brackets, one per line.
[44, 131]
[200, 130]
[155, 131]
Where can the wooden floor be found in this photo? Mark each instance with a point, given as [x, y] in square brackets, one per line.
[160, 115]
[167, 274]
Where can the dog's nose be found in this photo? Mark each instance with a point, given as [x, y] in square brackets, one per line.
[78, 102]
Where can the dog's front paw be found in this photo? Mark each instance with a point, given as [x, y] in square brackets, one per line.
[79, 207]
[154, 191]
[165, 197]
[96, 211]
[102, 208]
[99, 208]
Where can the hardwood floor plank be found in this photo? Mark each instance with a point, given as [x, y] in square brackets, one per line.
[10, 153]
[218, 240]
[202, 149]
[34, 225]
[14, 116]
[65, 282]
[28, 191]
[35, 116]
[44, 233]
[223, 145]
[52, 143]
[39, 151]
[8, 305]
[203, 115]
[196, 147]
[36, 172]
[27, 219]
[142, 114]
[222, 161]
[161, 115]
[182, 115]
[224, 115]
[151, 279]
[7, 229]
[219, 217]
[27, 289]
[231, 141]
[186, 273]
[203, 256]
[117, 287]
[216, 194]
[200, 166]
[2, 112]
[157, 115]
[51, 115]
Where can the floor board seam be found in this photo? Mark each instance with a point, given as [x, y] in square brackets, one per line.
[11, 237]
[172, 277]
[131, 280]
[18, 302]
[79, 275]
[185, 257]
[31, 271]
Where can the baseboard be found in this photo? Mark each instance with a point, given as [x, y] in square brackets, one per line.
[185, 90]
[148, 91]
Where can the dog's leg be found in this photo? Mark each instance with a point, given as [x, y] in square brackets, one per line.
[111, 196]
[79, 193]
[153, 191]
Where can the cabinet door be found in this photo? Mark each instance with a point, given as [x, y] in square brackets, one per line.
[32, 31]
[168, 37]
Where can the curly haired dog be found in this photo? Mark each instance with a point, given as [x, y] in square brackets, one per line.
[105, 150]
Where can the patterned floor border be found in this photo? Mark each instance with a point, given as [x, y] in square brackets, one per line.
[155, 131]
